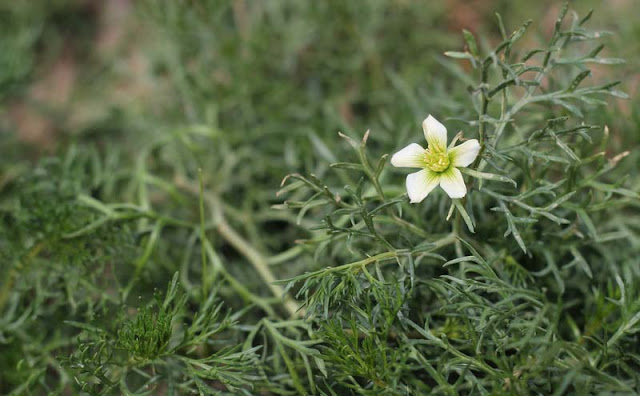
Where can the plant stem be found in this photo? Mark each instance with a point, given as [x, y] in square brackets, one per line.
[203, 253]
[445, 241]
[259, 263]
[481, 117]
[237, 286]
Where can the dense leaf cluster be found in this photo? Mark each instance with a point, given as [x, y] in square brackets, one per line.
[158, 254]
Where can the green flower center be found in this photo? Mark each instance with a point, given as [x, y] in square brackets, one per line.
[436, 161]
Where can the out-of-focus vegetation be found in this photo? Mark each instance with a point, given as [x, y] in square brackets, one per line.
[143, 139]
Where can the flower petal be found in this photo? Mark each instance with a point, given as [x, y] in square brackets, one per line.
[411, 156]
[452, 183]
[435, 133]
[420, 184]
[464, 154]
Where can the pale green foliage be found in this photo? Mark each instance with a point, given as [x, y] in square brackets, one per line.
[503, 314]
[334, 284]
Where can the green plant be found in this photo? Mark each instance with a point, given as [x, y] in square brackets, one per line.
[333, 283]
[500, 315]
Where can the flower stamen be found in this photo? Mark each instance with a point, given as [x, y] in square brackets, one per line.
[436, 161]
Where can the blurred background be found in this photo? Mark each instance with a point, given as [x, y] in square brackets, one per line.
[108, 71]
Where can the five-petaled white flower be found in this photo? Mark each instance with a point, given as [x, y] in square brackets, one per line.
[439, 163]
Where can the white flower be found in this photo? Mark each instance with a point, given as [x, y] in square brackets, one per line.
[439, 164]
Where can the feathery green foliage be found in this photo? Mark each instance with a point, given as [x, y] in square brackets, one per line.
[156, 253]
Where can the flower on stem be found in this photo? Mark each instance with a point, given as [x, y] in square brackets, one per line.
[439, 163]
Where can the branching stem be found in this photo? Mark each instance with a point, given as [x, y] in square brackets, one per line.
[259, 263]
[358, 265]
